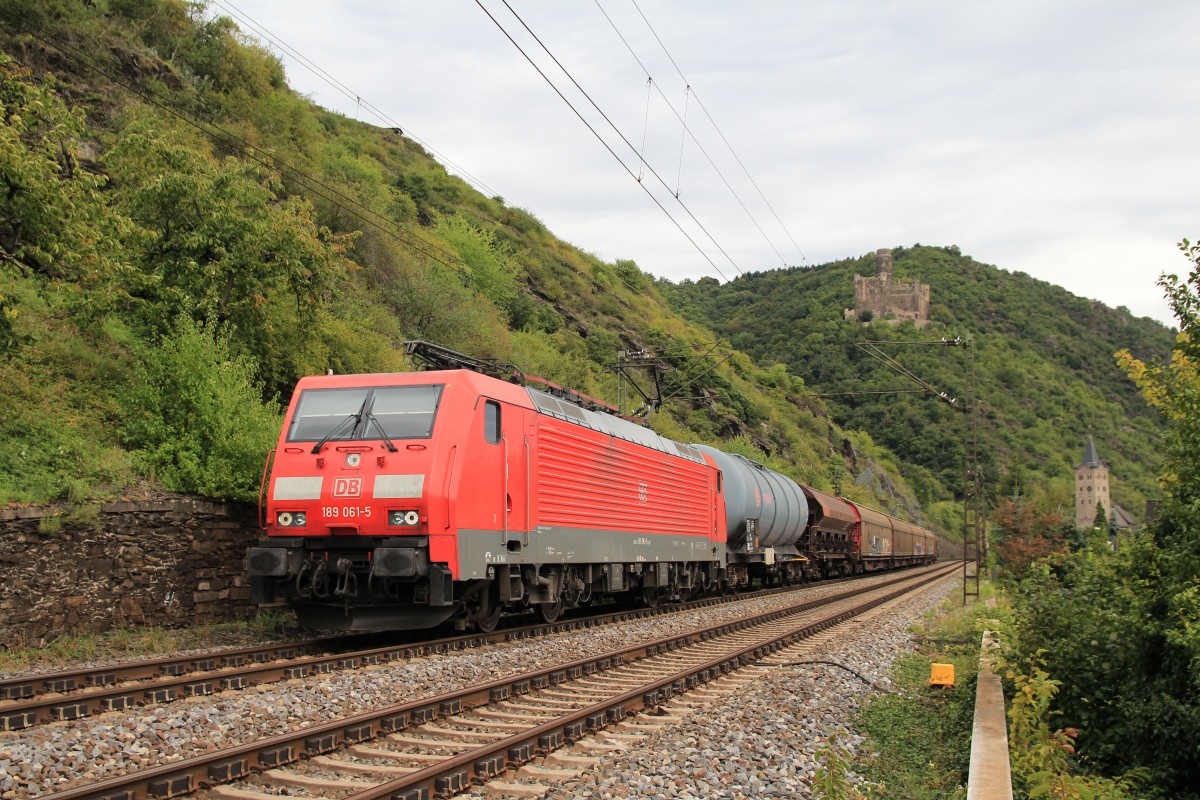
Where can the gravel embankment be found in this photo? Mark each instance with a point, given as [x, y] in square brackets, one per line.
[763, 741]
[55, 757]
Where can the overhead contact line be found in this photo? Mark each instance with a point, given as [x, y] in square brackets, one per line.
[276, 165]
[350, 94]
[716, 127]
[688, 131]
[600, 138]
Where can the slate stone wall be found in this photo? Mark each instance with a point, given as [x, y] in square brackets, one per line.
[169, 563]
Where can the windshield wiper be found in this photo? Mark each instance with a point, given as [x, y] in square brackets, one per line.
[356, 416]
[371, 418]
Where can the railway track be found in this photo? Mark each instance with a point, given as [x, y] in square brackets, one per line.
[438, 746]
[43, 698]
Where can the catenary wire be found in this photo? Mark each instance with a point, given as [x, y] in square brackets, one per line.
[695, 141]
[263, 31]
[611, 124]
[700, 103]
[599, 137]
[349, 93]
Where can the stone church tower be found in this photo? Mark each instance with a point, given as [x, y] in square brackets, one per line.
[1091, 487]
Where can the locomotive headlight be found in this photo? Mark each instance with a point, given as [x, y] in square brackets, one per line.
[289, 519]
[408, 518]
[285, 519]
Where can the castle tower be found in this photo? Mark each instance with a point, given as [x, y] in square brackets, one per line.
[883, 260]
[1091, 487]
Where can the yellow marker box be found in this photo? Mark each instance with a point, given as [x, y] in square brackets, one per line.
[941, 675]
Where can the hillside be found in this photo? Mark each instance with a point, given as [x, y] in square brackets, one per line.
[1046, 376]
[182, 237]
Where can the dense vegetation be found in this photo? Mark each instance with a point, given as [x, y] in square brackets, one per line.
[182, 237]
[1043, 363]
[1106, 626]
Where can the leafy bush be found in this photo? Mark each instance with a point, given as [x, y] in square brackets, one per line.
[492, 269]
[1042, 763]
[196, 418]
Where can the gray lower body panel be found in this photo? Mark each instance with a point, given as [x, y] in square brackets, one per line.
[478, 550]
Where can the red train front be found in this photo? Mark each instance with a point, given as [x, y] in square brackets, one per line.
[408, 499]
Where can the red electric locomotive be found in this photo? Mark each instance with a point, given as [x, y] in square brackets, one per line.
[408, 499]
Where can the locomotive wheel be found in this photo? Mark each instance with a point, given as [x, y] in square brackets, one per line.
[651, 597]
[485, 611]
[487, 623]
[550, 612]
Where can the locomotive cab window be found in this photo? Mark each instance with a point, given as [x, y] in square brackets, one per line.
[491, 422]
[325, 413]
[403, 412]
[365, 412]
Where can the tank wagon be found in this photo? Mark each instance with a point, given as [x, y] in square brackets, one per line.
[406, 500]
[765, 517]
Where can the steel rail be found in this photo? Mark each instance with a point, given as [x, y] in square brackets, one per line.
[27, 686]
[75, 694]
[460, 771]
[185, 776]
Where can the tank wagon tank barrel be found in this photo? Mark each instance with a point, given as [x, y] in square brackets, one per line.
[765, 516]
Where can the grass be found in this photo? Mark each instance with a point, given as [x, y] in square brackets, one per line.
[918, 744]
[124, 644]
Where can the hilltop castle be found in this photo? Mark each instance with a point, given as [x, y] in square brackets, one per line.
[889, 301]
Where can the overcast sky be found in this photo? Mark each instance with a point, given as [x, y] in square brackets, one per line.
[1057, 138]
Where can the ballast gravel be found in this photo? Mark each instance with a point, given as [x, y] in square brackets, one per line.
[721, 755]
[765, 740]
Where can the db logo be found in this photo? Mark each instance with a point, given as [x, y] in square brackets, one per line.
[347, 487]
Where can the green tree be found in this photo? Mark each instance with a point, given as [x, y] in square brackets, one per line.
[1024, 534]
[492, 270]
[195, 417]
[1121, 627]
[55, 227]
[216, 239]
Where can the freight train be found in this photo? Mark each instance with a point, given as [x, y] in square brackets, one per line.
[406, 500]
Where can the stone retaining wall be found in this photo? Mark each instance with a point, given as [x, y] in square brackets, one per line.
[168, 562]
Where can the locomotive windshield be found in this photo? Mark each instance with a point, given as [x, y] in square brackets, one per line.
[365, 412]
